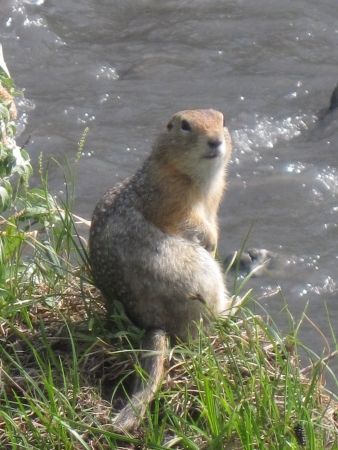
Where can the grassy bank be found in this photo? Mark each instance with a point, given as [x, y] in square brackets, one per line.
[63, 372]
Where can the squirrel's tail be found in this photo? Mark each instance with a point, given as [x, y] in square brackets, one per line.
[155, 345]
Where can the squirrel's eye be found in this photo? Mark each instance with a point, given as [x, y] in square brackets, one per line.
[185, 125]
[169, 126]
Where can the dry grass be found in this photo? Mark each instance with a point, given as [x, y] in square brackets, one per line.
[72, 326]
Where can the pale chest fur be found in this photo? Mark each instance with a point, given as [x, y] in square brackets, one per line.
[181, 206]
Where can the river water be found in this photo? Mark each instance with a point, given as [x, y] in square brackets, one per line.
[122, 67]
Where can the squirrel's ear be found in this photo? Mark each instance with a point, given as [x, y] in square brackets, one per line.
[169, 126]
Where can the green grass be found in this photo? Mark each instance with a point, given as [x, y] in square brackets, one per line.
[63, 370]
[240, 388]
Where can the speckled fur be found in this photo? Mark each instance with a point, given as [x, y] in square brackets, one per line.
[152, 237]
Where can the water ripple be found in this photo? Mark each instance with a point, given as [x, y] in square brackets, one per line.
[268, 131]
[327, 180]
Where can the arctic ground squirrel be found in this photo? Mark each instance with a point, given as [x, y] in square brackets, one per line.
[153, 239]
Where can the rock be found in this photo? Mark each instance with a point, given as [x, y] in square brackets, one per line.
[253, 260]
[334, 99]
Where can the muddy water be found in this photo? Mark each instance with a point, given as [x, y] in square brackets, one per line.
[123, 67]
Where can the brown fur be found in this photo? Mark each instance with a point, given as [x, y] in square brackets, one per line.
[152, 238]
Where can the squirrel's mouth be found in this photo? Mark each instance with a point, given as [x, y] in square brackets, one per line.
[212, 153]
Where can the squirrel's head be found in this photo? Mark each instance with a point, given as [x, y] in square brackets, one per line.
[195, 143]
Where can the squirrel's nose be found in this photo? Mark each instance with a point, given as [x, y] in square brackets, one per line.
[214, 143]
